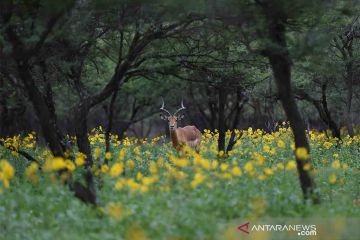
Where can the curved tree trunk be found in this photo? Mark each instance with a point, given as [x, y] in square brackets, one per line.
[86, 193]
[323, 110]
[48, 124]
[281, 66]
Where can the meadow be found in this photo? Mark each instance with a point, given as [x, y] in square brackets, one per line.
[146, 190]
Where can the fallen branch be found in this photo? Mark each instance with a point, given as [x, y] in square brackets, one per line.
[22, 153]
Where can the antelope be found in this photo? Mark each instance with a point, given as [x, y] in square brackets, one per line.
[188, 135]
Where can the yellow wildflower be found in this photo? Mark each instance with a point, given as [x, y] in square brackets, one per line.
[327, 145]
[281, 144]
[70, 165]
[290, 165]
[268, 171]
[104, 168]
[108, 155]
[307, 166]
[259, 159]
[97, 152]
[336, 164]
[139, 176]
[280, 166]
[132, 185]
[182, 162]
[80, 159]
[153, 167]
[120, 184]
[205, 164]
[226, 175]
[55, 163]
[249, 166]
[332, 179]
[236, 171]
[130, 164]
[115, 210]
[214, 164]
[262, 177]
[160, 163]
[122, 154]
[224, 166]
[7, 169]
[302, 153]
[31, 171]
[292, 146]
[148, 180]
[266, 148]
[144, 188]
[345, 166]
[135, 233]
[198, 179]
[137, 150]
[220, 153]
[116, 169]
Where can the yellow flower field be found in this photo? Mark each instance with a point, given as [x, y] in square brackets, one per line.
[149, 191]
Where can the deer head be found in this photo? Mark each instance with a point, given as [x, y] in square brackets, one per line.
[172, 118]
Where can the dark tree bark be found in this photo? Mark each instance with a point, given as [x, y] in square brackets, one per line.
[240, 102]
[113, 99]
[221, 118]
[335, 130]
[344, 43]
[53, 138]
[110, 121]
[323, 110]
[280, 62]
[4, 111]
[41, 107]
[349, 94]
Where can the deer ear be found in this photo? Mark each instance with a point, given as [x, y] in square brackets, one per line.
[180, 117]
[163, 117]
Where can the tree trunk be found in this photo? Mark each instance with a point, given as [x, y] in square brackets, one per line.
[349, 123]
[86, 193]
[110, 121]
[82, 140]
[240, 102]
[281, 67]
[323, 110]
[335, 130]
[221, 118]
[3, 111]
[52, 136]
[48, 126]
[349, 74]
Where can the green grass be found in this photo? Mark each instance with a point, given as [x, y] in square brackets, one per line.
[50, 211]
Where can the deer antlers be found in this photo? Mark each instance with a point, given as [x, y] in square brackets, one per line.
[177, 111]
[163, 109]
[181, 108]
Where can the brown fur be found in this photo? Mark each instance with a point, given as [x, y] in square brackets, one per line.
[188, 135]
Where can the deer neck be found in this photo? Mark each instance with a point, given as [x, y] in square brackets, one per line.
[174, 137]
